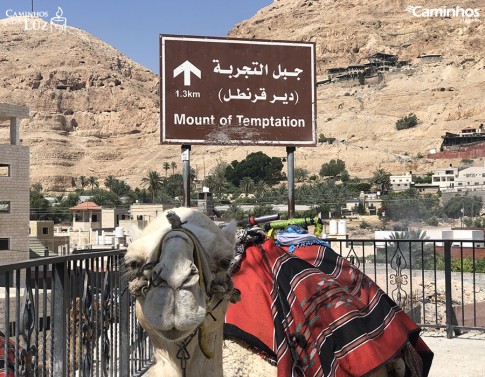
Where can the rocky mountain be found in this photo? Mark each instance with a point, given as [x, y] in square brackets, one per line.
[95, 112]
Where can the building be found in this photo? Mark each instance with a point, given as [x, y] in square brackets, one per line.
[93, 225]
[445, 178]
[14, 186]
[401, 182]
[469, 179]
[42, 234]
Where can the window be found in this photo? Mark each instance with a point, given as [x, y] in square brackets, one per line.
[4, 244]
[4, 170]
[4, 207]
[45, 230]
[94, 219]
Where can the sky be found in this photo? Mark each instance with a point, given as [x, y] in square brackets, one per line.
[134, 27]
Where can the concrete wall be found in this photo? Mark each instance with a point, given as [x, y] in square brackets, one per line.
[15, 189]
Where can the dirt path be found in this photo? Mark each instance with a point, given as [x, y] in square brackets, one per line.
[462, 356]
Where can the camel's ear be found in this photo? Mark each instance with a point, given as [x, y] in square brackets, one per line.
[230, 231]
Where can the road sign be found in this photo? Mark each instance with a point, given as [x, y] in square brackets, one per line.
[221, 91]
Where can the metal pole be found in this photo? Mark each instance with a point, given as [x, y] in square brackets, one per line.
[290, 158]
[186, 173]
[448, 297]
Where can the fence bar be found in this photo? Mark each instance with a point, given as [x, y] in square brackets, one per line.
[124, 331]
[59, 320]
[448, 298]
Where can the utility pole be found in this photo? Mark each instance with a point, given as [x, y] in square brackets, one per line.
[32, 6]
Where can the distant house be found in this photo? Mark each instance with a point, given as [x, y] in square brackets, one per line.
[430, 57]
[43, 239]
[380, 59]
[401, 182]
[94, 225]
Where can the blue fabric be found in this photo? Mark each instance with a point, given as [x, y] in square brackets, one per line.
[295, 236]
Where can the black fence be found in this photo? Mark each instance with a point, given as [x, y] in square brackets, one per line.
[72, 315]
[440, 284]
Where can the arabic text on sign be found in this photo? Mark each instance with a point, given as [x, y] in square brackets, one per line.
[256, 69]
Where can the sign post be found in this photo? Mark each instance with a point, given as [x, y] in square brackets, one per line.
[221, 91]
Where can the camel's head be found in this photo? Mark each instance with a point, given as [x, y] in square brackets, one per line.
[177, 270]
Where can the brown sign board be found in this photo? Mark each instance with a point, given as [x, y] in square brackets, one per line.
[221, 91]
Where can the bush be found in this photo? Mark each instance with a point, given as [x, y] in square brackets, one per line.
[433, 221]
[407, 122]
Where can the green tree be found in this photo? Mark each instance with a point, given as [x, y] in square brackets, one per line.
[408, 121]
[410, 205]
[83, 181]
[173, 165]
[166, 167]
[463, 206]
[332, 168]
[153, 182]
[106, 198]
[382, 180]
[93, 182]
[246, 185]
[256, 166]
[301, 174]
[109, 182]
[39, 205]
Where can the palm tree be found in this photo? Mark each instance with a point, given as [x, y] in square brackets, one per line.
[382, 179]
[153, 182]
[110, 182]
[93, 182]
[173, 165]
[166, 167]
[83, 181]
[247, 184]
[260, 189]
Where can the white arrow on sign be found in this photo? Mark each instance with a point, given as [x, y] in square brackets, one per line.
[187, 68]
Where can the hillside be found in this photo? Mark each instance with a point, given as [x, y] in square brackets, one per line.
[95, 112]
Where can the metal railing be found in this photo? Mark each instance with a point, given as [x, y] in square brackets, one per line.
[70, 315]
[435, 281]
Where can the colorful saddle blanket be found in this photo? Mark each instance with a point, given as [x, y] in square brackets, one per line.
[313, 312]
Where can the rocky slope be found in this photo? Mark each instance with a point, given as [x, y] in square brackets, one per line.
[95, 112]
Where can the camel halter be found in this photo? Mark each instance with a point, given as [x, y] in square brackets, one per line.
[202, 265]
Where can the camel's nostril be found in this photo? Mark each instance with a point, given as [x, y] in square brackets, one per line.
[193, 269]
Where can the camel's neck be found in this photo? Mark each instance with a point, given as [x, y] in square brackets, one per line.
[197, 364]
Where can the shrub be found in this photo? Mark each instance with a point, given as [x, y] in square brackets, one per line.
[407, 122]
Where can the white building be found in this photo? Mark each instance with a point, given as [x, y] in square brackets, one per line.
[470, 179]
[14, 186]
[445, 178]
[401, 182]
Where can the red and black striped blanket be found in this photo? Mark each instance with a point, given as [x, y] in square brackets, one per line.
[314, 307]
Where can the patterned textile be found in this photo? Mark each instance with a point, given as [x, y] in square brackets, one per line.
[318, 315]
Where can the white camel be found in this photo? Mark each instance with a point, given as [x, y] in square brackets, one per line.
[177, 270]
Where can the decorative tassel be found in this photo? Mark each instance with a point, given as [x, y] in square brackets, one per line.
[174, 220]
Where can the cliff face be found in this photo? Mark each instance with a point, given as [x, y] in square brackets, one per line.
[92, 109]
[446, 95]
[95, 112]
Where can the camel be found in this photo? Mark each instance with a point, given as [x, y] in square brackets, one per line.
[177, 269]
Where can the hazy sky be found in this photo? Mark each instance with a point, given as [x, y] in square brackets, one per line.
[134, 27]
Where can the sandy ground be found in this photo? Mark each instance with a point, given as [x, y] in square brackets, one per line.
[461, 356]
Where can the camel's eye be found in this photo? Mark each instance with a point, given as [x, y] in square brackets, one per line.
[133, 265]
[224, 263]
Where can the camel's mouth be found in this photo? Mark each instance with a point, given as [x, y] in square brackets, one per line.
[175, 335]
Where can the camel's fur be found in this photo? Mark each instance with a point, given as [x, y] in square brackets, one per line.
[177, 306]
[157, 307]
